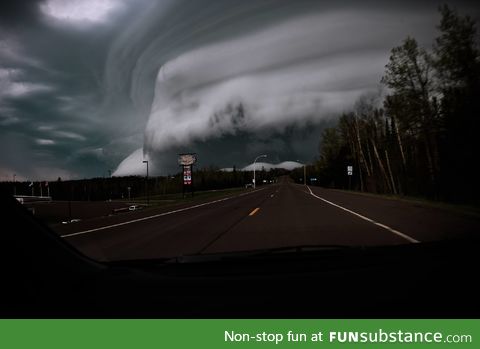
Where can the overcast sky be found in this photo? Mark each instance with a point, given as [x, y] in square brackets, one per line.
[95, 85]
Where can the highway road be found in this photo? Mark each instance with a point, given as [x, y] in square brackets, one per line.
[277, 215]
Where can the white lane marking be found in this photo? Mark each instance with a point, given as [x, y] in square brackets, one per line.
[396, 232]
[156, 215]
[254, 211]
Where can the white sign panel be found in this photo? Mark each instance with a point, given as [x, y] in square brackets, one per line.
[187, 174]
[350, 170]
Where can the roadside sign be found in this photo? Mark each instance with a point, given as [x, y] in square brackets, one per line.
[187, 161]
[187, 174]
[350, 170]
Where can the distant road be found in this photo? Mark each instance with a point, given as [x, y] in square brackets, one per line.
[283, 214]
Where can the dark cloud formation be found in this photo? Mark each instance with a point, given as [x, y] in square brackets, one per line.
[92, 85]
[17, 13]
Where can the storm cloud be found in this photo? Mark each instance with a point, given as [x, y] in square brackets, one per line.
[88, 86]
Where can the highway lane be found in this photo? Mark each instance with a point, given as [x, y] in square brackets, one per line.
[283, 214]
[170, 233]
[294, 217]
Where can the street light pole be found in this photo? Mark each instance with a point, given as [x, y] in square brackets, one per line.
[146, 184]
[14, 185]
[110, 184]
[258, 157]
[304, 173]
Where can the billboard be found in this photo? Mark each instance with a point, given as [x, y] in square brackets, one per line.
[187, 159]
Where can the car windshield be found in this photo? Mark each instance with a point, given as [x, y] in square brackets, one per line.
[158, 129]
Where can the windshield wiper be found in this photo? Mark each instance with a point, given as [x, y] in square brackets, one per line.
[222, 256]
[214, 257]
[305, 248]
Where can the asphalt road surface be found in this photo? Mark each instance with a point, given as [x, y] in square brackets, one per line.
[277, 215]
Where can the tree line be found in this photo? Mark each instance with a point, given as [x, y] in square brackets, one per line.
[419, 136]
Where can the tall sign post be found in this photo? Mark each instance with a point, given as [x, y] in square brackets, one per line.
[350, 174]
[187, 161]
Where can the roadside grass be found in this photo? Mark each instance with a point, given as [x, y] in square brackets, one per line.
[469, 210]
[178, 198]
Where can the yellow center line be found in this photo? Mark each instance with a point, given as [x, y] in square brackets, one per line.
[254, 211]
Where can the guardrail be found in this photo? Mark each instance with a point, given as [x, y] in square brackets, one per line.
[25, 199]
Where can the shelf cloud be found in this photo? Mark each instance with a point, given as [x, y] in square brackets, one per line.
[88, 86]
